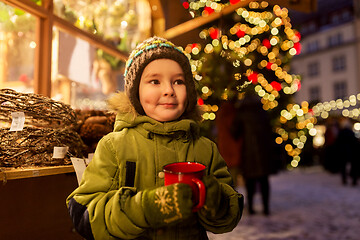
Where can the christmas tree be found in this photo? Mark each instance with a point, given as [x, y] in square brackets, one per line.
[249, 52]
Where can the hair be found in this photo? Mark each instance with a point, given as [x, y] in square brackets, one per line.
[159, 48]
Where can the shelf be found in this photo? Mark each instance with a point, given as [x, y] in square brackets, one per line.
[19, 173]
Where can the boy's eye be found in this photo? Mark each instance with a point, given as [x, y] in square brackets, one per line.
[179, 82]
[154, 81]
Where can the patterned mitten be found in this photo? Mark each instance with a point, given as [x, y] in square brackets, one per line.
[213, 208]
[167, 205]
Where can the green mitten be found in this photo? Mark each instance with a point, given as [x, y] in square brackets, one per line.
[167, 205]
[213, 207]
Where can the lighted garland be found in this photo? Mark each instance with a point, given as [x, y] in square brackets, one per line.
[206, 7]
[252, 52]
[322, 110]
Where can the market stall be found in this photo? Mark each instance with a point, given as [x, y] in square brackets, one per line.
[35, 180]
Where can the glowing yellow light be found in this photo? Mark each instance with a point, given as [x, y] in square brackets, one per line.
[195, 51]
[287, 90]
[304, 104]
[309, 126]
[357, 126]
[277, 21]
[263, 51]
[248, 62]
[254, 31]
[215, 42]
[198, 77]
[261, 93]
[288, 147]
[245, 14]
[193, 68]
[324, 115]
[262, 23]
[271, 55]
[263, 63]
[345, 113]
[240, 42]
[208, 48]
[288, 78]
[292, 51]
[278, 140]
[202, 34]
[352, 98]
[205, 89]
[300, 145]
[346, 103]
[205, 116]
[274, 67]
[214, 108]
[274, 31]
[212, 116]
[264, 4]
[273, 41]
[294, 163]
[32, 44]
[296, 141]
[232, 45]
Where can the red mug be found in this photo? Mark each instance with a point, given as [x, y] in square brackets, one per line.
[190, 173]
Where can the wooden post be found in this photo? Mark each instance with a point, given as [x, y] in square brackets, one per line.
[42, 67]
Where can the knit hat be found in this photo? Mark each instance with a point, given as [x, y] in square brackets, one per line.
[148, 51]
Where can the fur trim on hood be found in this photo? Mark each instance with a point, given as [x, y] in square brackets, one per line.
[120, 103]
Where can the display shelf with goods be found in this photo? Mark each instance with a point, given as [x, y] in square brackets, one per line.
[33, 127]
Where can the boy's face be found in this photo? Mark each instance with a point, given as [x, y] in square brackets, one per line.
[162, 90]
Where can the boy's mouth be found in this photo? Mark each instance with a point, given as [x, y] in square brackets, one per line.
[168, 104]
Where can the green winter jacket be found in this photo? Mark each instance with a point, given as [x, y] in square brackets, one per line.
[107, 204]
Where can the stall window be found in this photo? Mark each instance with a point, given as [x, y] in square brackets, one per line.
[17, 49]
[86, 64]
[124, 23]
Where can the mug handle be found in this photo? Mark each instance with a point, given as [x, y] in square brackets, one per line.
[202, 194]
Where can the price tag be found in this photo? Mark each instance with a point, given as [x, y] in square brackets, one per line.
[60, 152]
[18, 121]
[79, 166]
[90, 157]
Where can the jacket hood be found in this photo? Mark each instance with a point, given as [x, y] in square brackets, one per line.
[127, 117]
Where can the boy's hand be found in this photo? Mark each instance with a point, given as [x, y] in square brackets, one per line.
[212, 208]
[167, 205]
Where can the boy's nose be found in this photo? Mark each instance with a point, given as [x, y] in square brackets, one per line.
[169, 90]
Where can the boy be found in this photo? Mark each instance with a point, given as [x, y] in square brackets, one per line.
[122, 193]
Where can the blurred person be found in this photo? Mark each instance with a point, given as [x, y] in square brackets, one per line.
[347, 144]
[258, 158]
[330, 159]
[228, 144]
